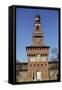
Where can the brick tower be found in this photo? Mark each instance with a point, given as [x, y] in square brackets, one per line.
[37, 54]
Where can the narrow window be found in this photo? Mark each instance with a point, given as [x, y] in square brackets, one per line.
[37, 27]
[41, 64]
[30, 65]
[38, 64]
[45, 64]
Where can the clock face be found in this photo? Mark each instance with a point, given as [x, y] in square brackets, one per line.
[38, 40]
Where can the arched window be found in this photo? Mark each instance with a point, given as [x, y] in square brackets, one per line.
[37, 27]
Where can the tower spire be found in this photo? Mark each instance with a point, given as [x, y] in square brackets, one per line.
[37, 23]
[37, 38]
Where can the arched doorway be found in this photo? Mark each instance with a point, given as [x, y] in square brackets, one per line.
[39, 75]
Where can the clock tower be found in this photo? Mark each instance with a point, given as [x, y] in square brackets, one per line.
[37, 38]
[37, 54]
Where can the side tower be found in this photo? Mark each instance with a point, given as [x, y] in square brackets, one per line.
[37, 54]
